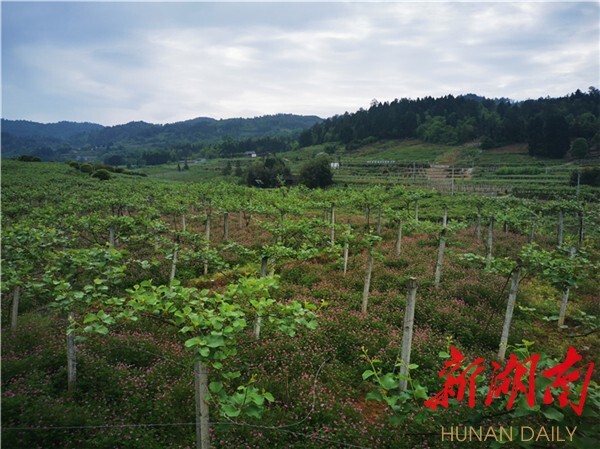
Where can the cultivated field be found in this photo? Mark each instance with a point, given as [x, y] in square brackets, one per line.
[129, 301]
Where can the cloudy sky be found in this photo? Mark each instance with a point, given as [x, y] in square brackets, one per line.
[112, 63]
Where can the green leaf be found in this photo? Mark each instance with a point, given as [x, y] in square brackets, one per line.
[388, 381]
[368, 373]
[230, 411]
[103, 330]
[196, 341]
[215, 341]
[374, 396]
[554, 414]
[215, 387]
[253, 412]
[90, 317]
[421, 393]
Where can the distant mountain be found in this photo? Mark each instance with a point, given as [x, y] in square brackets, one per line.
[65, 139]
[60, 130]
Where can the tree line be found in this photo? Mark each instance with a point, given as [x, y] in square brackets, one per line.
[547, 125]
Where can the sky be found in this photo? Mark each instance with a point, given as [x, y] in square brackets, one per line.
[162, 62]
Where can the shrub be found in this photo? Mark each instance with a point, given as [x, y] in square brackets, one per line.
[86, 168]
[102, 174]
[580, 148]
[27, 158]
[316, 173]
[272, 172]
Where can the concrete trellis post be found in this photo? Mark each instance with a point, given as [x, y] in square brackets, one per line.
[207, 234]
[409, 318]
[399, 239]
[15, 308]
[565, 298]
[71, 359]
[111, 236]
[226, 226]
[442, 247]
[332, 224]
[532, 230]
[174, 261]
[510, 306]
[368, 271]
[561, 227]
[440, 259]
[263, 273]
[346, 248]
[202, 410]
[490, 243]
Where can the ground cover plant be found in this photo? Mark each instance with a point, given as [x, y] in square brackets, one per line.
[127, 270]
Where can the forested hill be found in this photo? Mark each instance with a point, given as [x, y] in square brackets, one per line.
[58, 140]
[548, 125]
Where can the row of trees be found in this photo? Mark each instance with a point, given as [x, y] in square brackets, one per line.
[548, 125]
[230, 147]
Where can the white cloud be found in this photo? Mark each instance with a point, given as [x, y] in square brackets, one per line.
[268, 58]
